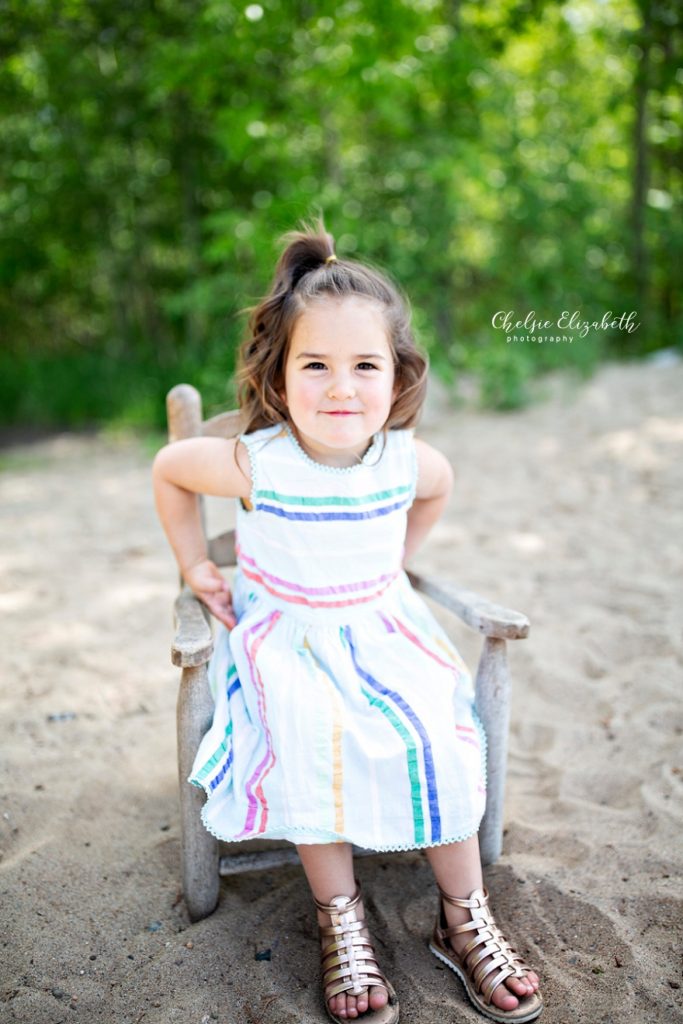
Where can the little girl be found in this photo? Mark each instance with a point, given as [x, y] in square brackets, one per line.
[343, 714]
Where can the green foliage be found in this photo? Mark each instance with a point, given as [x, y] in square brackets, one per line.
[519, 156]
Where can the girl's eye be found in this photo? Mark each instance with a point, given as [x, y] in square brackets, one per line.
[321, 366]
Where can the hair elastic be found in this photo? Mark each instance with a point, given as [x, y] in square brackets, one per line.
[331, 259]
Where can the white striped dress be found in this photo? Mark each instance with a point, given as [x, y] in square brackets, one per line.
[342, 710]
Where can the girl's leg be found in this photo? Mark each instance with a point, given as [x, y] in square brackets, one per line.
[329, 871]
[457, 869]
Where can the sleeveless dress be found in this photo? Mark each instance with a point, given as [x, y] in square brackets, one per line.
[342, 710]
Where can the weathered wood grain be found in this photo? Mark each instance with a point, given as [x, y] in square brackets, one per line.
[199, 849]
[193, 643]
[475, 611]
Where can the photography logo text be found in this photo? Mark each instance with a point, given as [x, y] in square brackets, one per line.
[563, 330]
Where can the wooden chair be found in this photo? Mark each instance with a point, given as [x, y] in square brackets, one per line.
[192, 647]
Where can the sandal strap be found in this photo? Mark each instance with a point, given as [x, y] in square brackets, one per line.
[487, 942]
[351, 902]
[475, 900]
[348, 962]
[336, 954]
[329, 931]
[367, 980]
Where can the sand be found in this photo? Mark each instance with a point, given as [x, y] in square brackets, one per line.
[569, 511]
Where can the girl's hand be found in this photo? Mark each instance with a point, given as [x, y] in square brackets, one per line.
[208, 584]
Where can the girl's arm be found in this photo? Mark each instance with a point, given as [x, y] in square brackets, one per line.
[202, 465]
[434, 485]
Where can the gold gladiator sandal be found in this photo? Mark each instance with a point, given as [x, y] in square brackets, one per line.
[349, 963]
[482, 979]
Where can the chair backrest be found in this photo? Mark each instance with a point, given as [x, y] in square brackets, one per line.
[184, 413]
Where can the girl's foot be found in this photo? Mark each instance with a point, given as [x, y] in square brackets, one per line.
[496, 979]
[349, 965]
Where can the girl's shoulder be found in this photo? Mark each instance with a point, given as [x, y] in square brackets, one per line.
[258, 438]
[401, 438]
[400, 443]
[267, 452]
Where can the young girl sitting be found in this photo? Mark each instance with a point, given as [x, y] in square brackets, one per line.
[343, 714]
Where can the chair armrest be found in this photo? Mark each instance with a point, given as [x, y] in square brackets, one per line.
[475, 611]
[193, 642]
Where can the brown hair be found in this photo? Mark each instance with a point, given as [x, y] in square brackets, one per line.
[305, 272]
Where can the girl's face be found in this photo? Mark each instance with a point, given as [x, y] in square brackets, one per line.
[339, 378]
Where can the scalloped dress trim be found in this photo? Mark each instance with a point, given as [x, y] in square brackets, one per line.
[244, 438]
[365, 460]
[287, 833]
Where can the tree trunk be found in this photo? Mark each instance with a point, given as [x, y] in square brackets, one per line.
[641, 170]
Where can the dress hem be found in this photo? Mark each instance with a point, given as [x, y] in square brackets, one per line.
[331, 837]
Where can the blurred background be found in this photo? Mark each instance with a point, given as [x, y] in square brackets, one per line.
[523, 155]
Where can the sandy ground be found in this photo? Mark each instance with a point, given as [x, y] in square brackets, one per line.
[569, 511]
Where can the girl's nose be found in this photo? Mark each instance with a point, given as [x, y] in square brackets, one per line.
[341, 390]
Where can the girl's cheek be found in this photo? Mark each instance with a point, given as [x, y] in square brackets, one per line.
[312, 390]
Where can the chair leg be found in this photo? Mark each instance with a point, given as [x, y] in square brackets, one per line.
[492, 700]
[199, 849]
